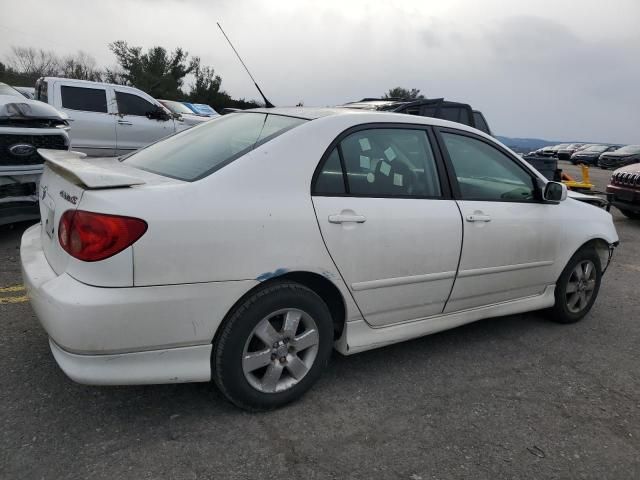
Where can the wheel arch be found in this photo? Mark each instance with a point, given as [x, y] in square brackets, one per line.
[319, 284]
[601, 246]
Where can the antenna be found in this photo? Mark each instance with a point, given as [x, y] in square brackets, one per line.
[267, 103]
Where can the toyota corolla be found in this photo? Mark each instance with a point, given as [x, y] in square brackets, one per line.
[247, 248]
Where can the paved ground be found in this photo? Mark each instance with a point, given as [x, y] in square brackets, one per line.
[514, 397]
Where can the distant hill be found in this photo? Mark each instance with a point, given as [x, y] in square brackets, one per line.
[525, 145]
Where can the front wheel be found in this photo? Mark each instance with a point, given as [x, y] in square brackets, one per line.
[273, 347]
[577, 287]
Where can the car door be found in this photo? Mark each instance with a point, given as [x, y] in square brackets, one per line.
[134, 129]
[511, 238]
[93, 129]
[389, 222]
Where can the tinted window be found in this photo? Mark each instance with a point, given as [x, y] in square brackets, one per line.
[390, 162]
[201, 150]
[485, 173]
[85, 99]
[129, 104]
[480, 123]
[42, 93]
[330, 179]
[455, 114]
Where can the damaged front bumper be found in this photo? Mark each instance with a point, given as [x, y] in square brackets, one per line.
[19, 187]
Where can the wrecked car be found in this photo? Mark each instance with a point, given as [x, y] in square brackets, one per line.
[25, 126]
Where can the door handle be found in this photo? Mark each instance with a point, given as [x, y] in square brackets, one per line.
[342, 218]
[478, 217]
[124, 122]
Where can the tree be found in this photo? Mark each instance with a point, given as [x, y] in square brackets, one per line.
[399, 92]
[156, 71]
[26, 64]
[81, 66]
[206, 88]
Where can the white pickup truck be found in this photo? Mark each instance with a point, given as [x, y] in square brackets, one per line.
[108, 119]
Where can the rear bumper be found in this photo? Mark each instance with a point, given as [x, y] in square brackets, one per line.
[173, 365]
[163, 333]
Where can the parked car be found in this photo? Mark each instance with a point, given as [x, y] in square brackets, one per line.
[204, 109]
[25, 125]
[552, 150]
[591, 154]
[566, 152]
[624, 187]
[107, 119]
[434, 107]
[620, 157]
[182, 113]
[28, 92]
[245, 248]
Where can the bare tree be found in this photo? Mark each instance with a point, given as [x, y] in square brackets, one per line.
[81, 66]
[33, 62]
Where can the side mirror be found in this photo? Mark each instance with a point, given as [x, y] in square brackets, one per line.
[554, 192]
[158, 114]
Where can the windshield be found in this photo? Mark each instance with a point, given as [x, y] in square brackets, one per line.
[196, 153]
[596, 148]
[7, 90]
[629, 149]
[176, 107]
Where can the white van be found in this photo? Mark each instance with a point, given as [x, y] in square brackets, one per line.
[107, 119]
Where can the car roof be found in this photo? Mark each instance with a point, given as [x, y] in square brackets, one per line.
[365, 116]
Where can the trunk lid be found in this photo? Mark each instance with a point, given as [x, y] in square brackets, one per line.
[65, 179]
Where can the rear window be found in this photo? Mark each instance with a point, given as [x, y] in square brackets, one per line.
[200, 151]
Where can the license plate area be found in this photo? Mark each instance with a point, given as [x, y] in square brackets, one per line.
[49, 216]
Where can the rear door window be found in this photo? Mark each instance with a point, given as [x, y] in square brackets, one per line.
[200, 151]
[84, 99]
[381, 162]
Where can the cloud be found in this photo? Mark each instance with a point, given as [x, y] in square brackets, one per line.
[540, 68]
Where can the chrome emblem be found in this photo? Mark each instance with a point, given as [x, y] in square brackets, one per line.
[21, 150]
[69, 198]
[44, 191]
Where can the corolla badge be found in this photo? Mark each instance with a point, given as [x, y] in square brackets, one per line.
[69, 198]
[21, 149]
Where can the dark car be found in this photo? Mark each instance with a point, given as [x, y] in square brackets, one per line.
[624, 188]
[566, 152]
[591, 154]
[621, 157]
[426, 107]
[552, 150]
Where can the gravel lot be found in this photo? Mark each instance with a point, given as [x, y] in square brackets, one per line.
[512, 397]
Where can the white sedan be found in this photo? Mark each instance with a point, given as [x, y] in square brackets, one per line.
[247, 247]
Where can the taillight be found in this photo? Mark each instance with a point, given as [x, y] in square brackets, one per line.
[90, 236]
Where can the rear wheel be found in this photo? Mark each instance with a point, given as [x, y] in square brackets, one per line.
[577, 287]
[273, 347]
[631, 214]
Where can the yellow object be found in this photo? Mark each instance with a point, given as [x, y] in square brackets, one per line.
[584, 184]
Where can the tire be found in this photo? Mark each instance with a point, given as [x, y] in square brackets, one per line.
[244, 366]
[570, 284]
[631, 214]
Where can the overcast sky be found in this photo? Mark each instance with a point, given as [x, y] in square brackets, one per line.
[561, 70]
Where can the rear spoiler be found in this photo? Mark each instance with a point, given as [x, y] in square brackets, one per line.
[87, 174]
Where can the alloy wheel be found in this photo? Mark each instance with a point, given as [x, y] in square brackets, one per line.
[280, 350]
[580, 286]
